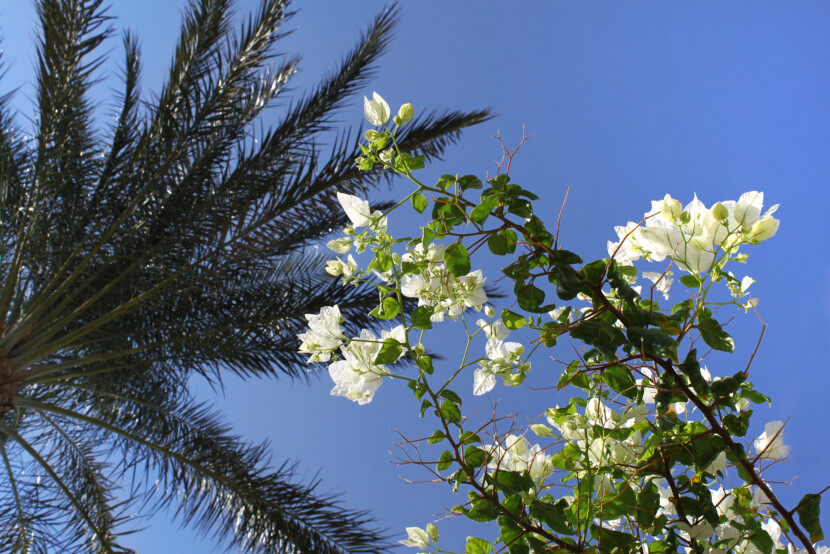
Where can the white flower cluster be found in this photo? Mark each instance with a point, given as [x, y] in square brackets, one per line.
[420, 538]
[694, 235]
[435, 286]
[324, 335]
[360, 215]
[356, 376]
[504, 359]
[516, 453]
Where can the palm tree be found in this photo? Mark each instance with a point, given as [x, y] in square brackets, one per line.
[170, 245]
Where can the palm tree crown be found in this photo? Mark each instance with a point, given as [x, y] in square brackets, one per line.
[168, 245]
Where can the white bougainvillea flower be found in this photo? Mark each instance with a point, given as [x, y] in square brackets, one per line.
[356, 209]
[503, 359]
[722, 501]
[598, 413]
[376, 110]
[341, 245]
[718, 464]
[556, 314]
[701, 530]
[517, 454]
[357, 377]
[770, 444]
[662, 282]
[694, 235]
[470, 290]
[748, 209]
[324, 335]
[339, 267]
[418, 538]
[495, 331]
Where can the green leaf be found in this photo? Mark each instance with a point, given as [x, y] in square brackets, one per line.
[512, 320]
[706, 449]
[621, 503]
[450, 412]
[420, 318]
[499, 182]
[602, 336]
[468, 437]
[497, 244]
[714, 335]
[425, 363]
[619, 379]
[530, 297]
[474, 456]
[477, 546]
[612, 540]
[691, 369]
[419, 202]
[737, 425]
[691, 281]
[511, 238]
[388, 308]
[510, 482]
[568, 284]
[405, 163]
[445, 182]
[424, 405]
[808, 514]
[653, 342]
[482, 510]
[762, 541]
[445, 460]
[469, 182]
[389, 352]
[552, 515]
[480, 213]
[520, 208]
[657, 547]
[458, 259]
[446, 215]
[436, 437]
[648, 502]
[451, 396]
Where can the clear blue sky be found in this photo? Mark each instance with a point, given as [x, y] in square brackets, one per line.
[628, 101]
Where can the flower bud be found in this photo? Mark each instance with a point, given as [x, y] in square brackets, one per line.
[516, 379]
[670, 209]
[541, 430]
[763, 229]
[432, 531]
[406, 113]
[489, 311]
[719, 212]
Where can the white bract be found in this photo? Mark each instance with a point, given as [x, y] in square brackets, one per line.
[517, 454]
[661, 282]
[376, 110]
[338, 267]
[357, 377]
[694, 236]
[417, 537]
[325, 335]
[770, 444]
[435, 286]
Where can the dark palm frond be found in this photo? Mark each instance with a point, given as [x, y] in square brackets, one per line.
[171, 244]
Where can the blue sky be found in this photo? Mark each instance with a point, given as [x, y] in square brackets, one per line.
[626, 102]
